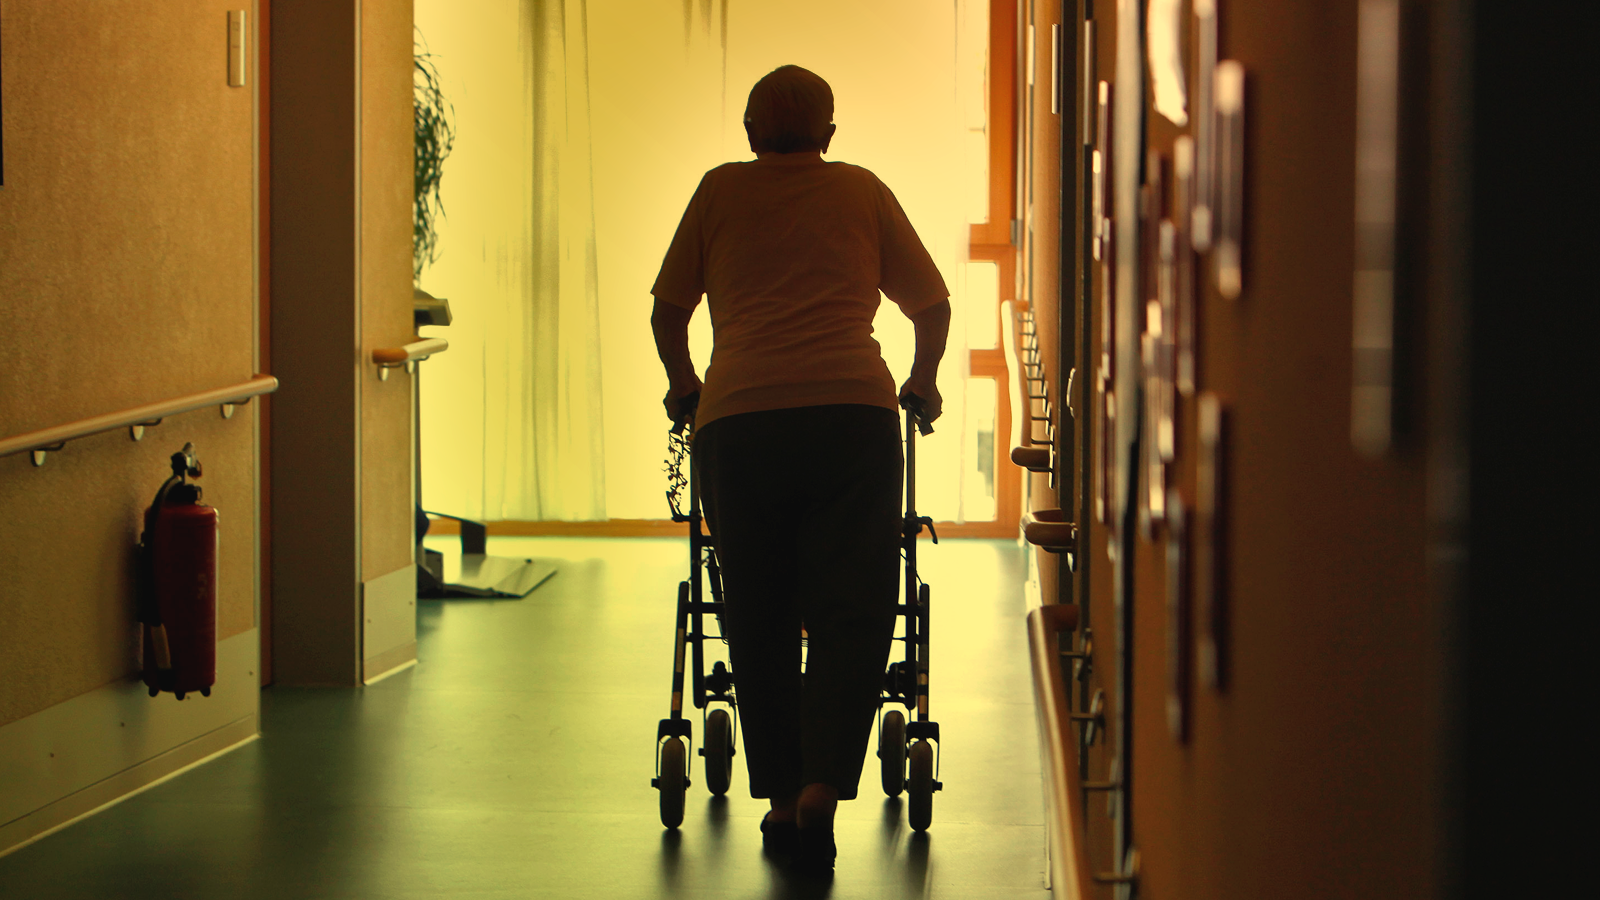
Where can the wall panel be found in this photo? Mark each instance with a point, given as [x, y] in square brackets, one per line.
[386, 162]
[341, 265]
[126, 277]
[1311, 771]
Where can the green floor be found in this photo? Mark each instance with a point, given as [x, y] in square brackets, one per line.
[514, 762]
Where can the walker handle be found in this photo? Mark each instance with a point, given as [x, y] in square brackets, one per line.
[687, 404]
[915, 405]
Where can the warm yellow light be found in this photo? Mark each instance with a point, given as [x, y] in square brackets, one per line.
[666, 96]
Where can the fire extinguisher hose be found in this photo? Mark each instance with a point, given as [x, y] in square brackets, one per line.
[158, 640]
[149, 608]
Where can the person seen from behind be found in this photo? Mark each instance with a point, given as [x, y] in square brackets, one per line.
[797, 438]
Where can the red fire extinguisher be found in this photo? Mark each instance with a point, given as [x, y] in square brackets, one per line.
[178, 585]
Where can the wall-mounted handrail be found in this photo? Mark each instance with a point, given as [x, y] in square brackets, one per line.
[1049, 529]
[387, 358]
[1034, 459]
[416, 351]
[1069, 861]
[1027, 451]
[135, 418]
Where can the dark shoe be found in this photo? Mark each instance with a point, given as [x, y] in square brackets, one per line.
[777, 837]
[814, 851]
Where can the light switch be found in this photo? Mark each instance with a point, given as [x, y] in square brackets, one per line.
[236, 54]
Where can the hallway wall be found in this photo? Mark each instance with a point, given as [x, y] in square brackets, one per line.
[1306, 761]
[127, 276]
[342, 527]
[385, 288]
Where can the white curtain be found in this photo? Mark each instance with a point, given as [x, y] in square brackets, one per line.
[512, 414]
[670, 83]
[520, 419]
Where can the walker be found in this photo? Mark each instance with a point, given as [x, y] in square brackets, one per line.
[675, 733]
[900, 744]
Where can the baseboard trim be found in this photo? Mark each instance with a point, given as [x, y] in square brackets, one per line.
[130, 782]
[389, 662]
[669, 528]
[388, 615]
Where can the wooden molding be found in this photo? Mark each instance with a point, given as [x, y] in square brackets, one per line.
[989, 363]
[1002, 126]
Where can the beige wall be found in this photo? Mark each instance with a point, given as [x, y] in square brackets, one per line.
[341, 271]
[386, 175]
[126, 277]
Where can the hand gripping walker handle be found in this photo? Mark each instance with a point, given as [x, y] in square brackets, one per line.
[687, 404]
[916, 406]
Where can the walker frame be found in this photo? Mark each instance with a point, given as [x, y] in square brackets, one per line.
[900, 744]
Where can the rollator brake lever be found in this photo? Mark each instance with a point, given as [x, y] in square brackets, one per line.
[928, 521]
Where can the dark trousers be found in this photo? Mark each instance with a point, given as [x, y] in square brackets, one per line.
[804, 509]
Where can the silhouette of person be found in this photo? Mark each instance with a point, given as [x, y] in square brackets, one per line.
[797, 438]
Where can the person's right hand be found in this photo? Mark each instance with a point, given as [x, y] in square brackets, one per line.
[926, 390]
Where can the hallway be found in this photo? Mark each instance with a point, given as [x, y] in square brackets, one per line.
[514, 761]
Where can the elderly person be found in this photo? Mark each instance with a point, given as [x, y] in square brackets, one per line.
[797, 438]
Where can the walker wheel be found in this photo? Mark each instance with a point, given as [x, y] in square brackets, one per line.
[718, 751]
[892, 752]
[674, 781]
[919, 785]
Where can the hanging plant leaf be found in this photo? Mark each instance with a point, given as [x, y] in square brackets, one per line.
[435, 134]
